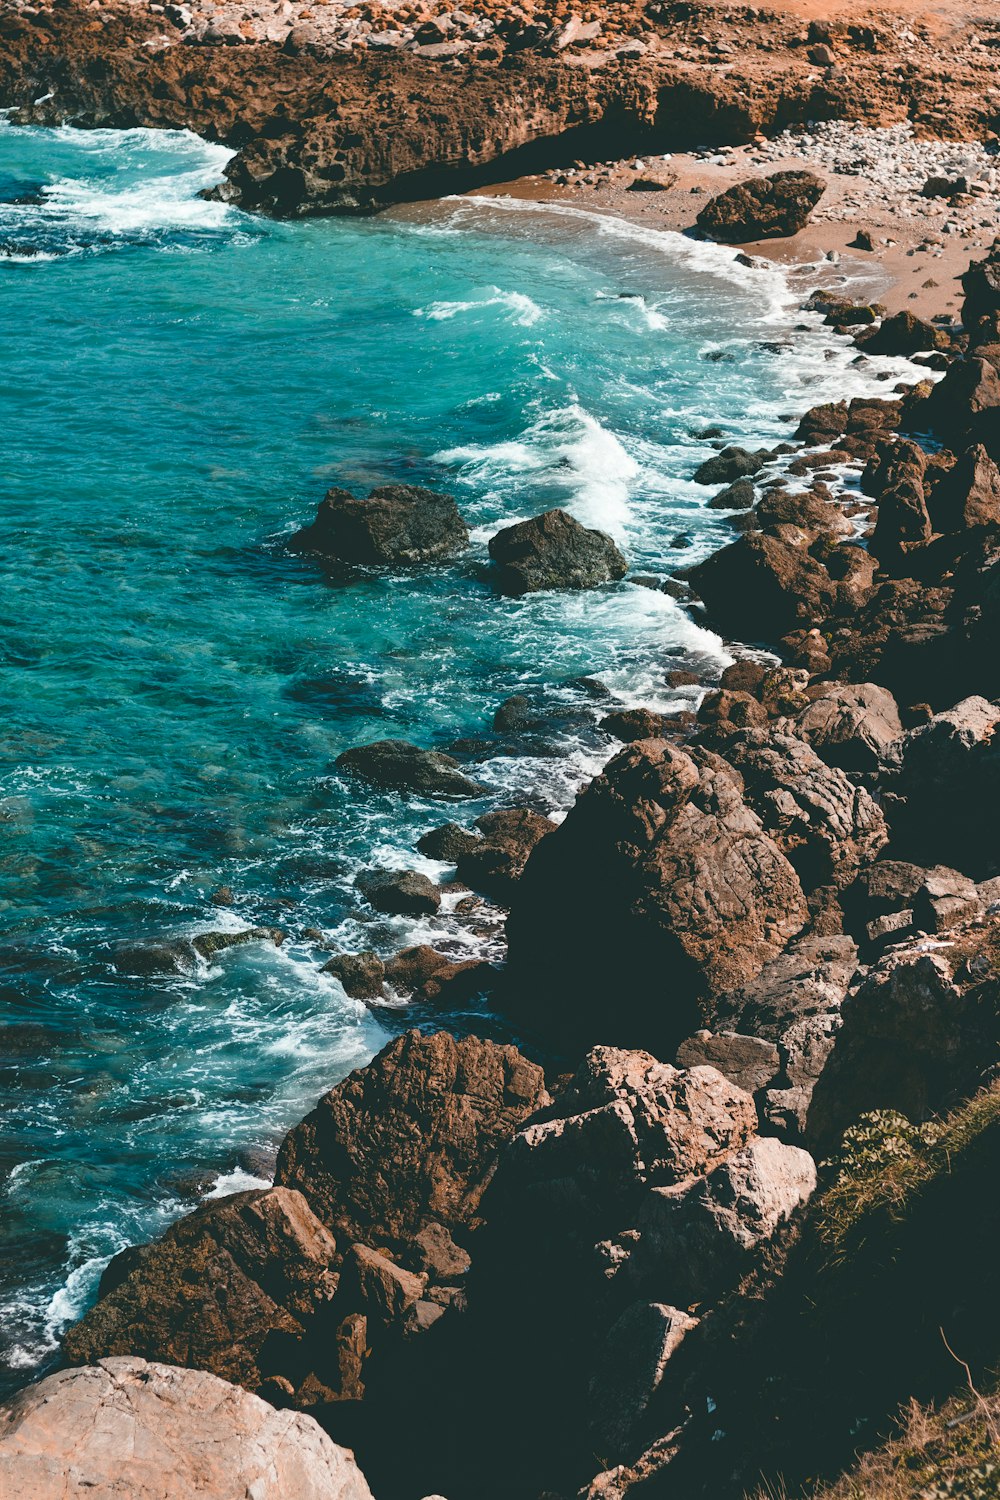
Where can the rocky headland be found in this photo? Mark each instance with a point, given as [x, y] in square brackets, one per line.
[711, 1203]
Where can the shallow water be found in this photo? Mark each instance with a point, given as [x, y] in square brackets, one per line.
[180, 385]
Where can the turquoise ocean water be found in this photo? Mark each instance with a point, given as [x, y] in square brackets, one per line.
[180, 384]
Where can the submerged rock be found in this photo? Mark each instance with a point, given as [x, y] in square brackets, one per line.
[399, 766]
[398, 523]
[179, 955]
[762, 207]
[154, 1432]
[553, 551]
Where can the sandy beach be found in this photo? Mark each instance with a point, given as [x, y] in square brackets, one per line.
[921, 244]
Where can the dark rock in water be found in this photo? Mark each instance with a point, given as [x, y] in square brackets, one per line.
[737, 496]
[762, 207]
[361, 974]
[904, 334]
[181, 954]
[496, 862]
[397, 524]
[729, 465]
[553, 551]
[412, 1138]
[447, 842]
[436, 979]
[744, 676]
[219, 1285]
[634, 724]
[155, 958]
[515, 715]
[208, 944]
[399, 766]
[400, 893]
[661, 887]
[764, 584]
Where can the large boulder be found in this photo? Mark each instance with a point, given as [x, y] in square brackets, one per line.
[904, 334]
[922, 1032]
[496, 861]
[397, 524]
[698, 1237]
[762, 208]
[964, 407]
[659, 892]
[852, 725]
[399, 893]
[626, 1122]
[413, 1137]
[218, 1285]
[125, 1428]
[981, 284]
[969, 495]
[775, 1035]
[949, 786]
[553, 551]
[764, 585]
[826, 826]
[396, 765]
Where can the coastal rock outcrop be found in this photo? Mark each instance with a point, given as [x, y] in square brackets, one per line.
[762, 208]
[827, 827]
[495, 862]
[216, 1289]
[154, 1432]
[921, 1032]
[553, 551]
[412, 1137]
[764, 585]
[398, 524]
[663, 888]
[855, 726]
[396, 765]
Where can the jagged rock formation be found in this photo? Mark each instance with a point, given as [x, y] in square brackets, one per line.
[662, 887]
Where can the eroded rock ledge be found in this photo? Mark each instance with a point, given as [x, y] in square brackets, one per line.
[325, 127]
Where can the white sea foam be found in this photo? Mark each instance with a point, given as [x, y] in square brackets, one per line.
[237, 1181]
[568, 449]
[768, 282]
[524, 313]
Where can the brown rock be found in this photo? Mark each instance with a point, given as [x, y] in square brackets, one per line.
[211, 1292]
[762, 207]
[411, 1138]
[660, 886]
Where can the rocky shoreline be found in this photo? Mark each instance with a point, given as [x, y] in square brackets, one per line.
[704, 1228]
